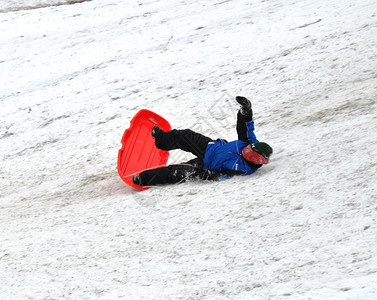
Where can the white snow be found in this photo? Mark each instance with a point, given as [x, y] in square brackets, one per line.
[72, 77]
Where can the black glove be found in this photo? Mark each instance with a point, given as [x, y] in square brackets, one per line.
[209, 175]
[245, 106]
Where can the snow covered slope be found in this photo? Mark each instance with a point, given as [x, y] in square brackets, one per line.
[73, 74]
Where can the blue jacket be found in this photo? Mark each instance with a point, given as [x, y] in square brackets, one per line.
[221, 155]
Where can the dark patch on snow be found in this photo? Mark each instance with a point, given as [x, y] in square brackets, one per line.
[306, 25]
[50, 121]
[20, 8]
[6, 134]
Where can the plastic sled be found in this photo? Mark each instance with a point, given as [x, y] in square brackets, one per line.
[138, 150]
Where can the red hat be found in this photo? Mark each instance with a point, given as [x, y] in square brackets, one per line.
[257, 154]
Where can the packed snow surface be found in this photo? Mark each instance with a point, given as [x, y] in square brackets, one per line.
[74, 73]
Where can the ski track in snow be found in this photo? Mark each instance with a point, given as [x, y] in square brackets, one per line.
[73, 74]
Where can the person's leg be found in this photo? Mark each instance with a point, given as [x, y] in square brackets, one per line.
[169, 174]
[193, 169]
[186, 140]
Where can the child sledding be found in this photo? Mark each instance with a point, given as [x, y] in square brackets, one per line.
[215, 159]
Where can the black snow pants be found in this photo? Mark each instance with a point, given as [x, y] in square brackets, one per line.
[186, 140]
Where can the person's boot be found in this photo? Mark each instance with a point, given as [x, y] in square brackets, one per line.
[156, 131]
[137, 180]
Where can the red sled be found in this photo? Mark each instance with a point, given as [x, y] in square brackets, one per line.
[139, 151]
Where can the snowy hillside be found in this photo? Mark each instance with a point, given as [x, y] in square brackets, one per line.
[74, 73]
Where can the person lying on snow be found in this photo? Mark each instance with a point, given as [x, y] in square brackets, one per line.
[214, 158]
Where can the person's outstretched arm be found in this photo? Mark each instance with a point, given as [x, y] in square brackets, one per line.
[245, 123]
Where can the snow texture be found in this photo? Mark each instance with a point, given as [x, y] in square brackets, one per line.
[74, 73]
